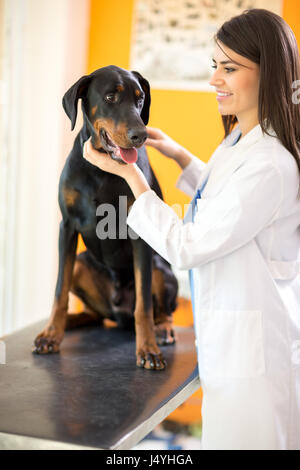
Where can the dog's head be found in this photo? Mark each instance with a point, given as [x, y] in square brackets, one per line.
[115, 105]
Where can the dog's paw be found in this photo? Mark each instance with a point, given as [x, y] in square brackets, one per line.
[164, 333]
[151, 361]
[48, 341]
[148, 354]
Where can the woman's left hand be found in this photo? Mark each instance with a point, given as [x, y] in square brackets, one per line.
[104, 162]
[130, 171]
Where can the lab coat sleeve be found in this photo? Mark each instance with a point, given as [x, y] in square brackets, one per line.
[188, 180]
[247, 203]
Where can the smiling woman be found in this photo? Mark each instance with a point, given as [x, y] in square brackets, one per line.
[267, 65]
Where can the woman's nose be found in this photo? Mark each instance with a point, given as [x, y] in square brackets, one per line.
[216, 78]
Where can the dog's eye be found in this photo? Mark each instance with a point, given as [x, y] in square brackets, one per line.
[111, 97]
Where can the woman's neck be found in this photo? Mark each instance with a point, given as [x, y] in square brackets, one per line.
[246, 125]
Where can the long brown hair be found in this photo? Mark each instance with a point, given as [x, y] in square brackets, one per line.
[266, 39]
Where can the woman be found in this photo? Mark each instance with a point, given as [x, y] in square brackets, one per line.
[242, 246]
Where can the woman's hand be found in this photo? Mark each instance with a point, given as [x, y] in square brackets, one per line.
[104, 162]
[130, 171]
[162, 142]
[168, 147]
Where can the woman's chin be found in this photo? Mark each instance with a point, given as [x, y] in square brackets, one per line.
[224, 112]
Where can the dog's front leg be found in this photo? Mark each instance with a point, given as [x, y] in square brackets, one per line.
[148, 354]
[49, 339]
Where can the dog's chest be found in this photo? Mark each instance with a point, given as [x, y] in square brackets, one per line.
[101, 208]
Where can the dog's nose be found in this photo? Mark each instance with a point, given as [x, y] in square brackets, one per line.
[137, 136]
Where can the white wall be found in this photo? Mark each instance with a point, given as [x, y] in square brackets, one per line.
[45, 46]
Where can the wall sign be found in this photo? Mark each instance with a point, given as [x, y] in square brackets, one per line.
[172, 41]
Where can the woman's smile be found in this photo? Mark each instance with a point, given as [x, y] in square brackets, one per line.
[221, 95]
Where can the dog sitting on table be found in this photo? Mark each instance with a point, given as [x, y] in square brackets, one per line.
[119, 278]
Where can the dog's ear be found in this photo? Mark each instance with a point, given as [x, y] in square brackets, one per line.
[146, 87]
[71, 97]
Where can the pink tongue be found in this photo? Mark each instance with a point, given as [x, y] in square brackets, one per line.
[129, 155]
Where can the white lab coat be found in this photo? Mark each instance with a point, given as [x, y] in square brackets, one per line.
[243, 248]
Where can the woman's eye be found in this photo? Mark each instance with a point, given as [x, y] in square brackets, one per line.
[111, 97]
[228, 69]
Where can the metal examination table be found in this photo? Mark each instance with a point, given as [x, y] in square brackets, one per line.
[91, 395]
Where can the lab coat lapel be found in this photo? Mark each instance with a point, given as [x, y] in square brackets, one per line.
[218, 155]
[228, 159]
[206, 172]
[229, 162]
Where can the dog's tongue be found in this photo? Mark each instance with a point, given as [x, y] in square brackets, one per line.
[129, 155]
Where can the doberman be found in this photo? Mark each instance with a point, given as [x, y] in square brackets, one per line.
[117, 277]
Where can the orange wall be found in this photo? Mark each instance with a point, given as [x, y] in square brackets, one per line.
[291, 14]
[190, 117]
[110, 33]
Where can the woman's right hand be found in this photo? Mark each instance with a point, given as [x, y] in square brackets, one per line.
[162, 142]
[168, 147]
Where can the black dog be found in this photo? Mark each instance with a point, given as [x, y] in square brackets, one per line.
[122, 278]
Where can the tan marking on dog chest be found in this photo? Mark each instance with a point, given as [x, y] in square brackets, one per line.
[70, 196]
